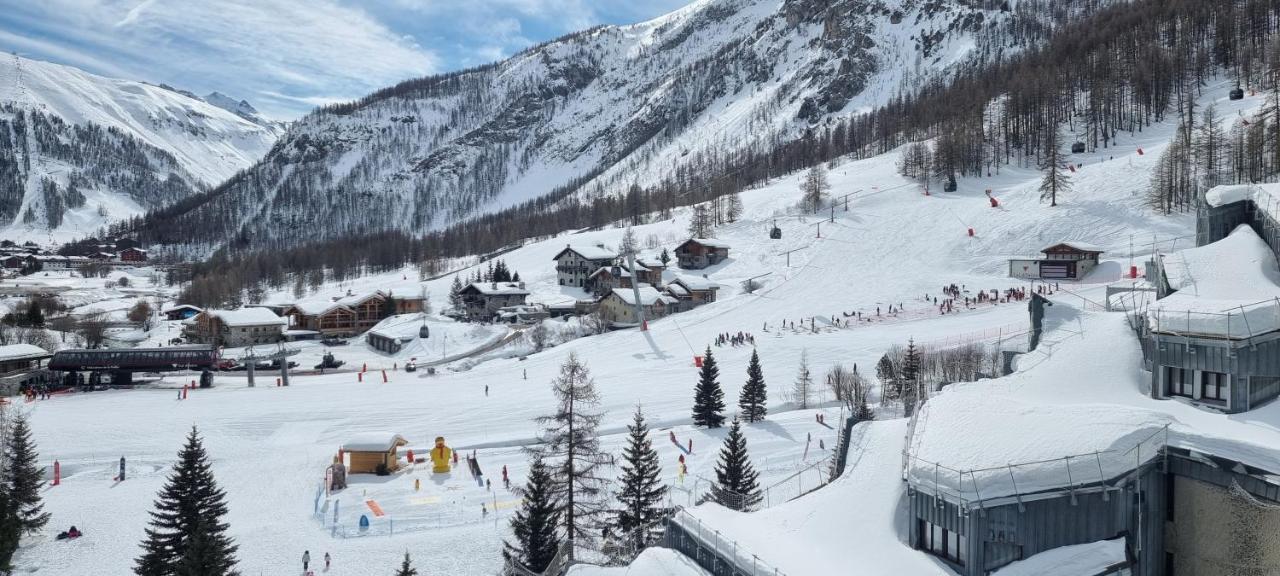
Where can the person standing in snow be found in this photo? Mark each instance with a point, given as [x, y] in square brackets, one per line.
[326, 561]
[306, 559]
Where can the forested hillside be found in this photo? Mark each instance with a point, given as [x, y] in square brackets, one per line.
[1102, 69]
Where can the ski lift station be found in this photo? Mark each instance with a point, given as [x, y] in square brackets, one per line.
[1061, 261]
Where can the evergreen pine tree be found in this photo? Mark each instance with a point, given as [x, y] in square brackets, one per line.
[708, 398]
[640, 497]
[535, 523]
[803, 389]
[23, 478]
[1055, 178]
[665, 257]
[35, 316]
[406, 567]
[186, 535]
[737, 485]
[10, 531]
[754, 395]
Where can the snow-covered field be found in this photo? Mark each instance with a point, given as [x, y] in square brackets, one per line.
[893, 246]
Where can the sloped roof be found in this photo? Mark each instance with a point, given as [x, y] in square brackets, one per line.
[587, 252]
[496, 288]
[20, 351]
[708, 242]
[374, 442]
[248, 317]
[696, 283]
[648, 295]
[1081, 246]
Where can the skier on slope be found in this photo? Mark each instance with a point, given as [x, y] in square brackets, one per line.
[306, 559]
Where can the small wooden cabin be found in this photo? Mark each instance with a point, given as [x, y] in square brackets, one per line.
[366, 452]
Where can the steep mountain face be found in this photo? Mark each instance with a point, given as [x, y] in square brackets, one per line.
[78, 151]
[596, 111]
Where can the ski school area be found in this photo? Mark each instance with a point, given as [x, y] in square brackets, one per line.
[890, 266]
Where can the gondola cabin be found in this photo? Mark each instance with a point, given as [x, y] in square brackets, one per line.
[776, 233]
[949, 185]
[1236, 94]
[1077, 148]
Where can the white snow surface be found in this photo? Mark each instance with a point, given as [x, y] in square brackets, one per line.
[1228, 288]
[1079, 560]
[650, 562]
[895, 245]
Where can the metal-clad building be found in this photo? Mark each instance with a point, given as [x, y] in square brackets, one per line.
[1230, 375]
[1149, 508]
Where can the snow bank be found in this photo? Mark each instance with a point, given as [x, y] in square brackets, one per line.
[650, 562]
[1228, 288]
[1079, 560]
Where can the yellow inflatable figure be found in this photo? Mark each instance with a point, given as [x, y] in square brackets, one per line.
[440, 456]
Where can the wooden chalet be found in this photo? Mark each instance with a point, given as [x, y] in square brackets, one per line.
[482, 300]
[699, 253]
[1061, 261]
[366, 453]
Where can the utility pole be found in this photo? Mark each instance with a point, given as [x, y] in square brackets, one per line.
[635, 290]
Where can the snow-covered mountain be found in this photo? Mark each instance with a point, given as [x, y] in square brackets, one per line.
[78, 151]
[598, 111]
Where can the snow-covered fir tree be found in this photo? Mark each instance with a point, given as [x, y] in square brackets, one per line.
[641, 493]
[571, 448]
[737, 485]
[754, 395]
[187, 534]
[708, 398]
[536, 524]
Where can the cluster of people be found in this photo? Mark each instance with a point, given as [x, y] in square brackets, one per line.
[735, 340]
[31, 393]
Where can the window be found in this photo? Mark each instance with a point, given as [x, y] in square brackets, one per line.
[943, 543]
[1214, 386]
[1179, 382]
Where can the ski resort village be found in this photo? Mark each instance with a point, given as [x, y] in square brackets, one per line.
[747, 288]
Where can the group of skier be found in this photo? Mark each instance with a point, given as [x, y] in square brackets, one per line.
[735, 340]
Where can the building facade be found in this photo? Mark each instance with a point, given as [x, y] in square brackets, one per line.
[699, 253]
[576, 264]
[482, 300]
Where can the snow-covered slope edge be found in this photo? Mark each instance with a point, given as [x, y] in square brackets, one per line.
[78, 151]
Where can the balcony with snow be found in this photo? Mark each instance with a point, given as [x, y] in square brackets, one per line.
[1215, 339]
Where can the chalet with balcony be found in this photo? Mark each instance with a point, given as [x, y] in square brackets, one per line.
[692, 291]
[482, 300]
[699, 253]
[133, 254]
[349, 315]
[576, 264]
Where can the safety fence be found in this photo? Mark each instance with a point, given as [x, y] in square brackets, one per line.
[714, 552]
[368, 519]
[1009, 332]
[1240, 323]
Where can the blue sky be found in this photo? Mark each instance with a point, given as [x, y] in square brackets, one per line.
[287, 56]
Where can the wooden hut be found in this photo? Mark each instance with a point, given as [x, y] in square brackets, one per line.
[366, 452]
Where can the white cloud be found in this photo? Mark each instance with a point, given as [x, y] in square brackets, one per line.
[301, 49]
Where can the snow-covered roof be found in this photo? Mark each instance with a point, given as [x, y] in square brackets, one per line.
[650, 562]
[374, 442]
[322, 305]
[1081, 246]
[1228, 289]
[1079, 560]
[248, 317]
[588, 252]
[1260, 194]
[677, 289]
[696, 283]
[174, 307]
[497, 288]
[995, 438]
[20, 351]
[648, 295]
[708, 242]
[622, 271]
